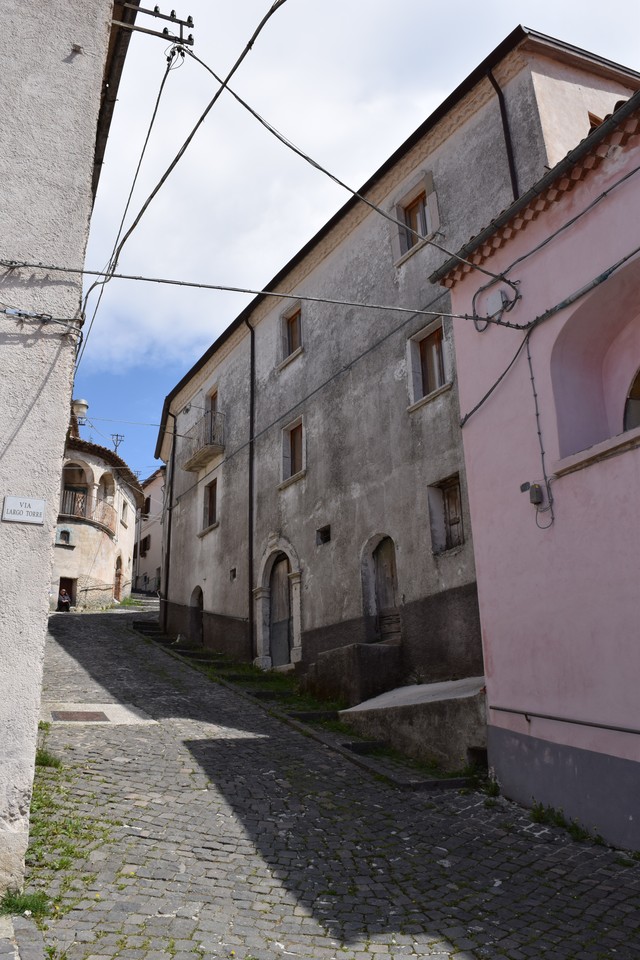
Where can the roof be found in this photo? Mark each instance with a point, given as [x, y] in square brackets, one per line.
[521, 35]
[156, 473]
[119, 39]
[83, 446]
[577, 164]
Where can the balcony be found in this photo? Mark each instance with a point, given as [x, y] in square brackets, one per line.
[77, 505]
[203, 442]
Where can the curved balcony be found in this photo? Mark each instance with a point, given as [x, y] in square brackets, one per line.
[78, 505]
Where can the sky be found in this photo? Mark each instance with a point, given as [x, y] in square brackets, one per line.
[347, 81]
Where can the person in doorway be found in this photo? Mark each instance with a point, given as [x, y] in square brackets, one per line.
[64, 601]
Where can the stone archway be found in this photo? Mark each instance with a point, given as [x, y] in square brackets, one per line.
[196, 616]
[380, 595]
[279, 569]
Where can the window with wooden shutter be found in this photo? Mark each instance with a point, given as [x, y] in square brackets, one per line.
[210, 504]
[431, 362]
[290, 333]
[418, 210]
[445, 514]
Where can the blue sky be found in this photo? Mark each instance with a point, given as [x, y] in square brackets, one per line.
[347, 82]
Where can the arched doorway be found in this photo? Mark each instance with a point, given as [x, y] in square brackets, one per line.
[278, 608]
[386, 588]
[196, 610]
[280, 627]
[117, 580]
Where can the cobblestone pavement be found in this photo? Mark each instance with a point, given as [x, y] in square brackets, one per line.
[232, 835]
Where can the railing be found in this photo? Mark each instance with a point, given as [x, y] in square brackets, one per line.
[77, 504]
[203, 442]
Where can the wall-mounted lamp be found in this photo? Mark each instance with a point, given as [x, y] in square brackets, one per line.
[79, 410]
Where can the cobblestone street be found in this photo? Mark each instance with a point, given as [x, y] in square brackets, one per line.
[233, 835]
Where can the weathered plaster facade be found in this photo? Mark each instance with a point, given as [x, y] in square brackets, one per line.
[53, 63]
[361, 513]
[95, 534]
[558, 593]
[147, 574]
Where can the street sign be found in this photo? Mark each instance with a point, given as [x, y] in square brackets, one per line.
[23, 510]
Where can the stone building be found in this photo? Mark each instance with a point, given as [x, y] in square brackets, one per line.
[316, 494]
[95, 536]
[557, 445]
[61, 64]
[148, 546]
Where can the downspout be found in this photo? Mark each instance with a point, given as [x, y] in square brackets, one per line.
[167, 559]
[250, 518]
[507, 135]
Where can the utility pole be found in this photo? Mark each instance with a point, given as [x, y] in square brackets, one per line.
[165, 34]
[117, 440]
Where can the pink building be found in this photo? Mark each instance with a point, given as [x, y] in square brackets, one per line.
[551, 431]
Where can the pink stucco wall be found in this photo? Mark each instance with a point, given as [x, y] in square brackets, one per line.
[560, 607]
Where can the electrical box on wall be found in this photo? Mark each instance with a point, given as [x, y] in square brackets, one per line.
[535, 494]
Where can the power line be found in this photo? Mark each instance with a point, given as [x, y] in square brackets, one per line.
[278, 294]
[113, 261]
[359, 196]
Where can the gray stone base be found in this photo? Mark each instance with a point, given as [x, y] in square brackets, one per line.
[445, 722]
[13, 845]
[599, 791]
[227, 635]
[354, 673]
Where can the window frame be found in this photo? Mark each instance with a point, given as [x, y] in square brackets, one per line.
[419, 392]
[404, 242]
[290, 346]
[294, 433]
[210, 511]
[447, 530]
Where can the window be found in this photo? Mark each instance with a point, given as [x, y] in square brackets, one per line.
[323, 535]
[291, 333]
[632, 406]
[146, 508]
[145, 544]
[125, 512]
[293, 453]
[213, 431]
[418, 210]
[445, 515]
[427, 362]
[210, 504]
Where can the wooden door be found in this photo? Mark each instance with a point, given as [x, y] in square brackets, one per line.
[388, 615]
[280, 612]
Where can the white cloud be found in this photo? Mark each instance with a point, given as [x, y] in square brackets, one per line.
[347, 80]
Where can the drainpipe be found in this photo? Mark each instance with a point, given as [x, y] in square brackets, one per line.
[250, 519]
[167, 558]
[507, 135]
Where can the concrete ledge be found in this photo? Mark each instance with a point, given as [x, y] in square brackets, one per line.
[355, 672]
[435, 721]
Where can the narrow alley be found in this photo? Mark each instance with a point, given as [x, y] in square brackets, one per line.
[225, 833]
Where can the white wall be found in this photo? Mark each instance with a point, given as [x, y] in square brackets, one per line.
[47, 128]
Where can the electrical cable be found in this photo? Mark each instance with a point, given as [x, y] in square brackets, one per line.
[547, 483]
[278, 294]
[113, 262]
[287, 413]
[275, 6]
[359, 196]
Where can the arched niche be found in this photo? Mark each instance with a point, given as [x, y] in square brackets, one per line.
[594, 360]
[380, 595]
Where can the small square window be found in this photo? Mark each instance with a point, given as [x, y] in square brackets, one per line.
[445, 515]
[323, 535]
[210, 504]
[293, 453]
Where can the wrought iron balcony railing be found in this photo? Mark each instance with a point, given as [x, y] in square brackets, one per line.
[203, 442]
[79, 505]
